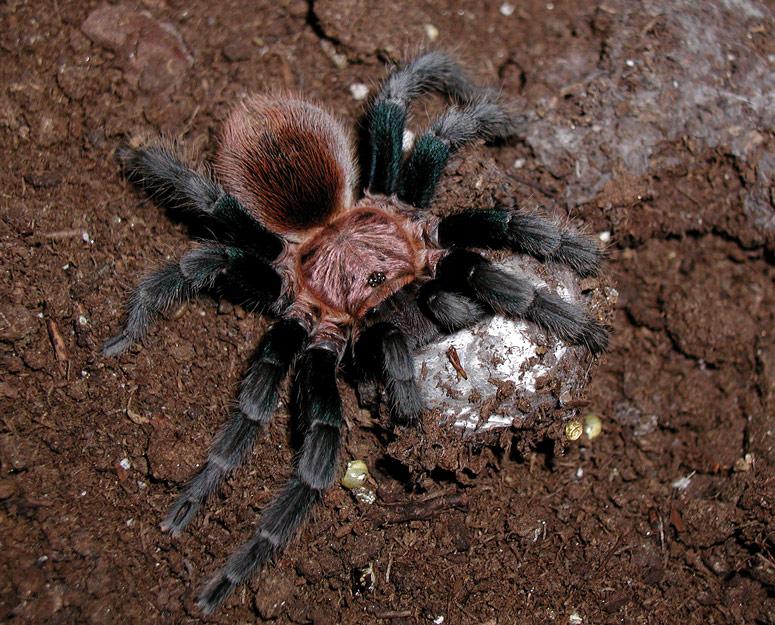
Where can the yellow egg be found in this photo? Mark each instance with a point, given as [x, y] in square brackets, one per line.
[573, 430]
[355, 474]
[592, 426]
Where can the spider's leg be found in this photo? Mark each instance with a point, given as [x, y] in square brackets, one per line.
[156, 170]
[257, 402]
[483, 118]
[433, 72]
[521, 232]
[452, 311]
[315, 471]
[383, 353]
[197, 270]
[472, 275]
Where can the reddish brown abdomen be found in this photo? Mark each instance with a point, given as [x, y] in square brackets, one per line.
[288, 163]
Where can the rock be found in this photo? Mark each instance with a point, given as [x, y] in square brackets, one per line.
[152, 53]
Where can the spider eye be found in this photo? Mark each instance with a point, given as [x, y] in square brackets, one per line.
[375, 279]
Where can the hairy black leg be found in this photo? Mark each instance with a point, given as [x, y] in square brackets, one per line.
[382, 352]
[313, 473]
[157, 292]
[521, 232]
[248, 280]
[402, 309]
[198, 270]
[175, 186]
[473, 276]
[452, 311]
[433, 72]
[482, 119]
[257, 403]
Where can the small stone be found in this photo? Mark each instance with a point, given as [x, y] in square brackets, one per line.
[365, 495]
[339, 60]
[44, 180]
[7, 488]
[152, 53]
[238, 50]
[744, 464]
[359, 91]
[120, 472]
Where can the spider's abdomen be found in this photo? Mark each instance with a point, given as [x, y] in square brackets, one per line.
[288, 162]
[357, 261]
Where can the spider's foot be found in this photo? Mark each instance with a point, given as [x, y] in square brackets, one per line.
[406, 402]
[594, 336]
[414, 422]
[567, 321]
[180, 516]
[215, 593]
[580, 253]
[117, 345]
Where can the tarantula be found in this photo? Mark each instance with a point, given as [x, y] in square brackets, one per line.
[371, 278]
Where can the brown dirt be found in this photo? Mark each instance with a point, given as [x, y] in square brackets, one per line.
[602, 531]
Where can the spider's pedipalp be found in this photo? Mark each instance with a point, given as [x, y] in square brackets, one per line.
[156, 170]
[434, 72]
[382, 352]
[484, 118]
[480, 116]
[472, 275]
[258, 398]
[314, 472]
[521, 232]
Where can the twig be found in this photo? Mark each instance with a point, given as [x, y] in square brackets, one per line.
[390, 614]
[64, 234]
[57, 340]
[533, 185]
[420, 510]
[687, 196]
[454, 360]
